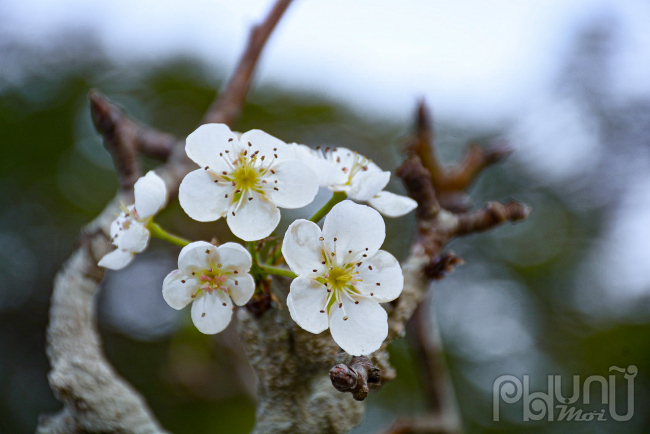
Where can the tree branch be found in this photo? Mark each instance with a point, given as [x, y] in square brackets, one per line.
[125, 139]
[95, 398]
[355, 377]
[226, 108]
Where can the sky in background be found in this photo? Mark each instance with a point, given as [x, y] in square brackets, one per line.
[473, 60]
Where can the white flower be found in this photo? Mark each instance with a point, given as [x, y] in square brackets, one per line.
[342, 276]
[212, 277]
[129, 230]
[245, 179]
[341, 169]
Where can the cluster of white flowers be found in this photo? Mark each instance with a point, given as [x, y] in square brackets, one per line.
[341, 275]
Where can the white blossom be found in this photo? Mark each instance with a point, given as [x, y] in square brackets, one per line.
[342, 276]
[212, 278]
[244, 179]
[341, 169]
[129, 230]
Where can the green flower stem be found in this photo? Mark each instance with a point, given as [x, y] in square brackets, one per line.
[157, 231]
[252, 250]
[276, 255]
[277, 271]
[337, 197]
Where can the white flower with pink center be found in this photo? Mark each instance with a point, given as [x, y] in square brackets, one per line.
[211, 278]
[129, 230]
[341, 169]
[244, 179]
[342, 276]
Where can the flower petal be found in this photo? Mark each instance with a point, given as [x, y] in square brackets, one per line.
[392, 205]
[367, 184]
[233, 256]
[116, 225]
[194, 256]
[242, 291]
[150, 194]
[382, 276]
[327, 173]
[302, 249]
[268, 145]
[205, 144]
[211, 313]
[203, 199]
[254, 219]
[178, 288]
[297, 185]
[365, 328]
[134, 238]
[116, 260]
[356, 227]
[308, 298]
[292, 310]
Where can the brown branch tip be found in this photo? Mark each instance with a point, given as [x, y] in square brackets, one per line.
[355, 377]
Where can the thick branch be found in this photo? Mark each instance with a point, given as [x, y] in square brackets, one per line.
[226, 108]
[96, 399]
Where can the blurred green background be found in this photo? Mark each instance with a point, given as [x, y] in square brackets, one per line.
[553, 295]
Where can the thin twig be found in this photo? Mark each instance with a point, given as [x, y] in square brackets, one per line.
[226, 108]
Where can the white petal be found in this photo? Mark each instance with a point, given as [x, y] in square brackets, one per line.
[308, 298]
[367, 184]
[384, 269]
[342, 157]
[327, 173]
[233, 256]
[254, 219]
[355, 227]
[116, 260]
[364, 330]
[194, 256]
[392, 205]
[297, 185]
[134, 239]
[268, 145]
[150, 194]
[292, 310]
[205, 144]
[209, 314]
[243, 290]
[116, 225]
[203, 199]
[178, 288]
[302, 249]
